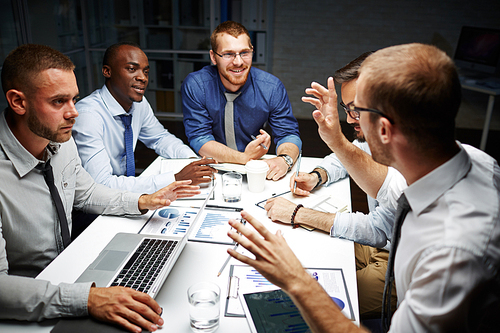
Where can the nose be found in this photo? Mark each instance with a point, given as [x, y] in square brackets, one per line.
[71, 112]
[237, 59]
[141, 76]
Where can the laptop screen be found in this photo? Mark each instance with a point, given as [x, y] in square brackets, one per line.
[478, 49]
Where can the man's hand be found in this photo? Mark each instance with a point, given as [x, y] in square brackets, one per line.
[305, 183]
[126, 307]
[277, 168]
[254, 149]
[280, 209]
[273, 257]
[326, 115]
[198, 171]
[172, 192]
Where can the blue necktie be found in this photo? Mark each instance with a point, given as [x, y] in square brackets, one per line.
[129, 144]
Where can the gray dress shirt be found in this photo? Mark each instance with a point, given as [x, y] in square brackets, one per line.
[30, 236]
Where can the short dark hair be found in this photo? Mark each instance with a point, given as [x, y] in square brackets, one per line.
[24, 63]
[350, 71]
[417, 86]
[231, 28]
[111, 51]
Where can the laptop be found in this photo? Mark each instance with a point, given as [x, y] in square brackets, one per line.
[139, 261]
[478, 52]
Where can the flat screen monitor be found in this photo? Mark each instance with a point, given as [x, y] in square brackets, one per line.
[478, 49]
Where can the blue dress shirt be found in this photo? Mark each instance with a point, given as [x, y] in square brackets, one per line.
[99, 135]
[263, 98]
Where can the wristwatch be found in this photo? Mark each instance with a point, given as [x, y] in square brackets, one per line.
[288, 160]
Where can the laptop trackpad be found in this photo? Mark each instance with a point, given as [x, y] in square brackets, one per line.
[111, 260]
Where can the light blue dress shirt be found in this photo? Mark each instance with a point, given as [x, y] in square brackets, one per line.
[99, 135]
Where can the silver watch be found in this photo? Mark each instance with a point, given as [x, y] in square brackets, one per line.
[288, 160]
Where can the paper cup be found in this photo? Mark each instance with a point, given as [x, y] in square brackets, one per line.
[256, 175]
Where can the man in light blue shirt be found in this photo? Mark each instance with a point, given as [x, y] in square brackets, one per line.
[99, 130]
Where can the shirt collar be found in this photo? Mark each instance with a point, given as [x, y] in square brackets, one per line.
[22, 160]
[429, 188]
[112, 105]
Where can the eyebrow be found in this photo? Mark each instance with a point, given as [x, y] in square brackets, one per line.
[136, 64]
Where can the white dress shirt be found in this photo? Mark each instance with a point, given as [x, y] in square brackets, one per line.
[447, 264]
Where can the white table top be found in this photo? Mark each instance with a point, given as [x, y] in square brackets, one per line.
[202, 261]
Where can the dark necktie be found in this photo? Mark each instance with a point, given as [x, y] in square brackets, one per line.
[401, 212]
[229, 120]
[49, 179]
[129, 144]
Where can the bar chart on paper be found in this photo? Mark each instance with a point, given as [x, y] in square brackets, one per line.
[213, 227]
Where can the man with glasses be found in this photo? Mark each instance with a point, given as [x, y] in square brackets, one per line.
[226, 105]
[371, 259]
[446, 266]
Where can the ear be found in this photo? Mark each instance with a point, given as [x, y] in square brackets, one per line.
[106, 71]
[17, 101]
[212, 57]
[386, 130]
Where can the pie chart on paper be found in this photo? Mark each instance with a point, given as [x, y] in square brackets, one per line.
[339, 303]
[169, 213]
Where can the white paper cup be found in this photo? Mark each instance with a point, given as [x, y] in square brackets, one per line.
[256, 175]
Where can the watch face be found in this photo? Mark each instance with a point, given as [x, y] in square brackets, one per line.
[288, 159]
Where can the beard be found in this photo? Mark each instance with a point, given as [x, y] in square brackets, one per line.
[358, 135]
[379, 153]
[45, 132]
[235, 80]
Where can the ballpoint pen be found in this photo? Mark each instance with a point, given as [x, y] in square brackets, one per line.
[227, 260]
[254, 138]
[297, 171]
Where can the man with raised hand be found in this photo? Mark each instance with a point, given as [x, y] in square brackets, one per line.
[447, 226]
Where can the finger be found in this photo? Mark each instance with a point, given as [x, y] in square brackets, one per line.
[316, 103]
[269, 204]
[257, 225]
[321, 89]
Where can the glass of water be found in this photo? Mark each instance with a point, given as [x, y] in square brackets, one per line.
[204, 306]
[231, 186]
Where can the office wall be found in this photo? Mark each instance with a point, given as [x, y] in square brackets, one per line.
[314, 38]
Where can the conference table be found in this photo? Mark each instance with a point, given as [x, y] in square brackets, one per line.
[201, 261]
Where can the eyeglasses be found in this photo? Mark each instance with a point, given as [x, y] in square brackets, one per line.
[353, 111]
[245, 55]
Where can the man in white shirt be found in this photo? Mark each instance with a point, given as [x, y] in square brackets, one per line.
[447, 264]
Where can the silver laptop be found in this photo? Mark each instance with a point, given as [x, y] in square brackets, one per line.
[139, 261]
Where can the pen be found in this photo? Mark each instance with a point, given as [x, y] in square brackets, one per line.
[233, 209]
[297, 172]
[225, 262]
[254, 138]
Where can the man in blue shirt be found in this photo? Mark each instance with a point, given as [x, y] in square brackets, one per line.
[260, 98]
[99, 130]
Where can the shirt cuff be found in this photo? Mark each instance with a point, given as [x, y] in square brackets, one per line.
[164, 179]
[74, 298]
[292, 139]
[199, 141]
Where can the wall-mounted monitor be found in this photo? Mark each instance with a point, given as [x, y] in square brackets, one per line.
[478, 49]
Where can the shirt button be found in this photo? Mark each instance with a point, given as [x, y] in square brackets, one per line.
[65, 185]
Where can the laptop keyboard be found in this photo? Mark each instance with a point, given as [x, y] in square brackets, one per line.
[143, 267]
